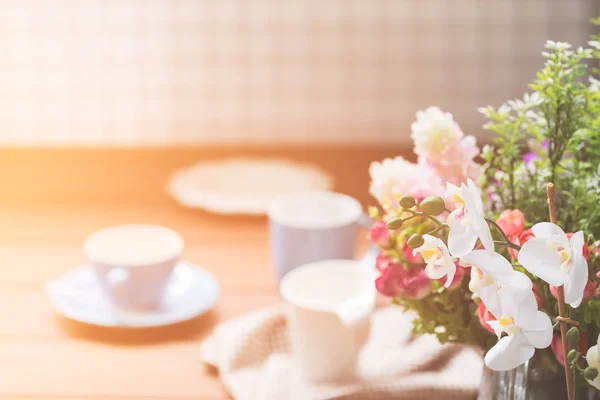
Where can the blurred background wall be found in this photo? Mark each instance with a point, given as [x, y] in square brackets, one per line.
[145, 72]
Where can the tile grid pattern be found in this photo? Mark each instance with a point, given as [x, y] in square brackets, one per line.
[122, 72]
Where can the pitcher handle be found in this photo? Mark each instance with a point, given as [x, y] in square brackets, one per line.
[368, 259]
[355, 314]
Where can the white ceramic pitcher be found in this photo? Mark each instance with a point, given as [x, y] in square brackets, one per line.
[329, 305]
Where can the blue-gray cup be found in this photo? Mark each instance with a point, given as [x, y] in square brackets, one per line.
[312, 226]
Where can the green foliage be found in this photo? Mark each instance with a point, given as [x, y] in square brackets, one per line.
[588, 316]
[559, 123]
[449, 314]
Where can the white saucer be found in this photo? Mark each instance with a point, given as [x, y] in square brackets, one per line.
[243, 185]
[192, 291]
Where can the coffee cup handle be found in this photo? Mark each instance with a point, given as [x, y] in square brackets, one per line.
[352, 316]
[365, 221]
[368, 259]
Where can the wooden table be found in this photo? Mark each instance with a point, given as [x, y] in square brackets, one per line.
[51, 199]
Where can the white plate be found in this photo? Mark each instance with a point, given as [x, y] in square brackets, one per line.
[191, 291]
[243, 185]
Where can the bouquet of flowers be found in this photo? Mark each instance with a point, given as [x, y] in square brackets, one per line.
[509, 263]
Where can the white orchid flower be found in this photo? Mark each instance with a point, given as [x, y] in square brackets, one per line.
[466, 222]
[593, 360]
[520, 328]
[489, 272]
[554, 258]
[438, 259]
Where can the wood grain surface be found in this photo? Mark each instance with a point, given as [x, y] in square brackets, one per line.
[52, 198]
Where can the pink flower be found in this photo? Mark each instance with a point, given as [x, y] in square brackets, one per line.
[434, 131]
[442, 146]
[557, 347]
[511, 222]
[417, 284]
[455, 163]
[520, 240]
[484, 317]
[379, 234]
[396, 177]
[588, 292]
[382, 261]
[412, 283]
[410, 256]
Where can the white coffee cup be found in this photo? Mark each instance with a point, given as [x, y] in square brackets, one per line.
[134, 262]
[311, 226]
[329, 307]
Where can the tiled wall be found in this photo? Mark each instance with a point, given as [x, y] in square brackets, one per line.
[114, 72]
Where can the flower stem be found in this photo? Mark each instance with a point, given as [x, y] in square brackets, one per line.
[560, 292]
[508, 242]
[442, 226]
[510, 245]
[418, 214]
[556, 324]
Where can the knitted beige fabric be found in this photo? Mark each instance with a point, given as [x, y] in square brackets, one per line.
[252, 355]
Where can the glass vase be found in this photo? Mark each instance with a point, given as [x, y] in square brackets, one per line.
[510, 385]
[531, 382]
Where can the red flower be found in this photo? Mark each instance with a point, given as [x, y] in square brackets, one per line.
[382, 261]
[485, 316]
[412, 283]
[511, 222]
[557, 348]
[379, 234]
[408, 253]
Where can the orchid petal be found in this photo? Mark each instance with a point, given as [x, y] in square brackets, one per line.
[522, 308]
[433, 272]
[509, 353]
[485, 236]
[451, 189]
[526, 310]
[443, 265]
[451, 271]
[491, 263]
[517, 283]
[577, 242]
[491, 300]
[577, 302]
[578, 276]
[575, 286]
[475, 215]
[434, 240]
[476, 194]
[536, 258]
[546, 230]
[540, 335]
[461, 239]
